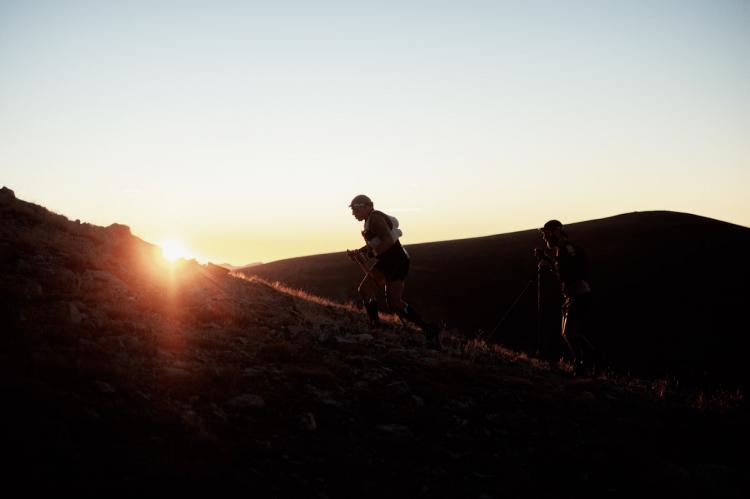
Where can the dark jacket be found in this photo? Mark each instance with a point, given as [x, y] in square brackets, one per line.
[572, 268]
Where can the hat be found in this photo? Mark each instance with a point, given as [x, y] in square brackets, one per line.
[359, 201]
[552, 225]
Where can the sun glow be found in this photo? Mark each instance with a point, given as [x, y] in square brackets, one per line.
[173, 249]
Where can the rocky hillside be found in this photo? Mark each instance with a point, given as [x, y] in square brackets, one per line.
[121, 373]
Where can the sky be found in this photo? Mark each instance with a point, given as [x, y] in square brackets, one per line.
[243, 129]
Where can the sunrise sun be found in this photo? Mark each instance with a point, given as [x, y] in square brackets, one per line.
[173, 249]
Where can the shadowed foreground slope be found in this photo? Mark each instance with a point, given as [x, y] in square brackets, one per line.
[122, 374]
[670, 290]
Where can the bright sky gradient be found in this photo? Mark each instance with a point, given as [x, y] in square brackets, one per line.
[244, 128]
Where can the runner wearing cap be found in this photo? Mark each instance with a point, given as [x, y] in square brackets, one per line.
[569, 263]
[381, 234]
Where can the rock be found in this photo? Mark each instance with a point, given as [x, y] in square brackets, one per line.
[247, 400]
[90, 416]
[218, 412]
[7, 196]
[400, 387]
[376, 374]
[24, 289]
[75, 314]
[251, 372]
[345, 339]
[307, 422]
[103, 387]
[352, 339]
[32, 289]
[396, 430]
[332, 402]
[97, 280]
[193, 421]
[181, 364]
[61, 280]
[176, 373]
[294, 330]
[586, 396]
[64, 313]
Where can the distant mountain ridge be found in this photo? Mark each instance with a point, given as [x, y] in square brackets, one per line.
[671, 291]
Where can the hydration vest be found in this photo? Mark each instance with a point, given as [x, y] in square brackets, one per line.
[372, 239]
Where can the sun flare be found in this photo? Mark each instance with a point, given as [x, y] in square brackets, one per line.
[173, 249]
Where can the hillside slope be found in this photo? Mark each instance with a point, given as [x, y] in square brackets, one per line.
[121, 373]
[670, 290]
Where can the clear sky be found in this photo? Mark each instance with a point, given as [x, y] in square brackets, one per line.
[243, 129]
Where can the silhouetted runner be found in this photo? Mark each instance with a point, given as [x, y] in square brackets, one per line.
[569, 263]
[381, 234]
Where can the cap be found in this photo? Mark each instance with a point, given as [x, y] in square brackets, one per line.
[359, 201]
[552, 225]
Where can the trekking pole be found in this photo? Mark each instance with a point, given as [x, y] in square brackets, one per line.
[359, 259]
[540, 256]
[507, 312]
